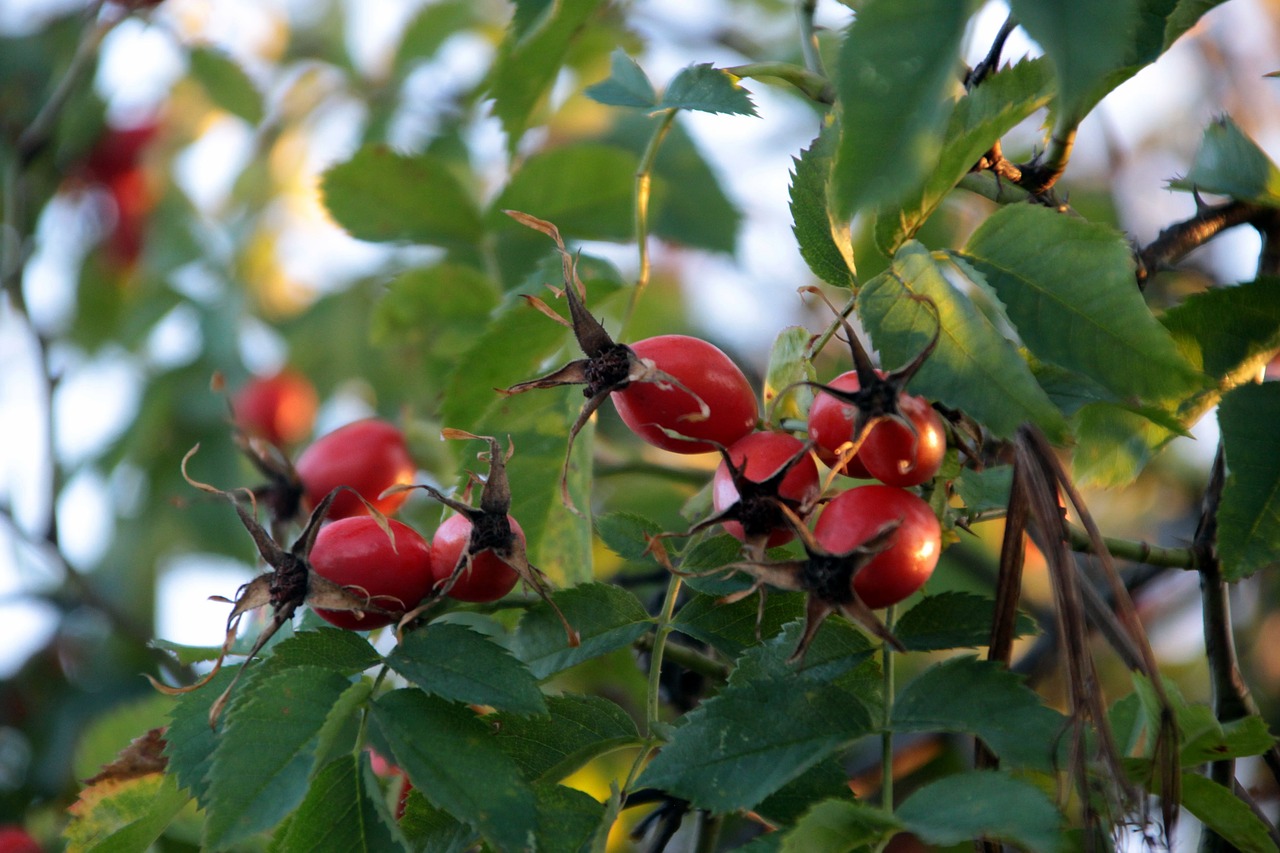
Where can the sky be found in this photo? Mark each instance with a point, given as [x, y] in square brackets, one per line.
[98, 398]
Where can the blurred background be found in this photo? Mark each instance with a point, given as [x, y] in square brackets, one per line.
[178, 233]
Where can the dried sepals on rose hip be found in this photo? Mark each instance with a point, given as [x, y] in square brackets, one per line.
[905, 433]
[289, 583]
[661, 407]
[493, 533]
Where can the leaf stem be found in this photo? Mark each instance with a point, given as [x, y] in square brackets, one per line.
[813, 86]
[644, 184]
[660, 635]
[805, 10]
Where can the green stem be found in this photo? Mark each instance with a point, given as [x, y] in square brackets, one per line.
[1135, 550]
[660, 635]
[691, 659]
[805, 10]
[644, 182]
[813, 86]
[822, 340]
[886, 734]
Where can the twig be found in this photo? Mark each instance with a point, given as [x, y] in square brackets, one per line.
[991, 61]
[1178, 240]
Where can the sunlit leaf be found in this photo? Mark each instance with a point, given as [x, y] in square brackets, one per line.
[454, 662]
[1230, 163]
[824, 241]
[123, 814]
[707, 89]
[840, 826]
[227, 84]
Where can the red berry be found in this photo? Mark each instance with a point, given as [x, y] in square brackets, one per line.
[15, 839]
[488, 578]
[357, 552]
[852, 517]
[831, 426]
[760, 455]
[369, 456]
[895, 457]
[280, 408]
[705, 374]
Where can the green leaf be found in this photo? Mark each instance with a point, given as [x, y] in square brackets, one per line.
[189, 741]
[627, 534]
[438, 311]
[387, 197]
[985, 490]
[1226, 814]
[567, 818]
[1115, 443]
[585, 188]
[840, 826]
[788, 364]
[266, 755]
[578, 729]
[965, 694]
[226, 84]
[344, 810]
[980, 118]
[1230, 163]
[1228, 332]
[1086, 43]
[988, 804]
[123, 814]
[606, 617]
[627, 85]
[454, 662]
[1249, 517]
[431, 829]
[1184, 15]
[427, 31]
[1068, 286]
[825, 780]
[974, 367]
[895, 72]
[733, 628]
[1236, 739]
[766, 728]
[952, 620]
[345, 652]
[825, 242]
[707, 89]
[458, 767]
[529, 59]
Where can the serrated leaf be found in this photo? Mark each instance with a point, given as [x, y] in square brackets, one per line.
[974, 367]
[456, 663]
[1230, 163]
[733, 628]
[606, 617]
[626, 86]
[343, 810]
[267, 752]
[437, 310]
[965, 694]
[984, 804]
[578, 729]
[982, 491]
[431, 829]
[1228, 332]
[839, 826]
[585, 188]
[825, 243]
[952, 620]
[187, 655]
[529, 59]
[1086, 43]
[627, 534]
[1114, 443]
[825, 780]
[387, 197]
[758, 734]
[1184, 15]
[1068, 287]
[459, 767]
[1249, 516]
[345, 652]
[226, 83]
[1226, 814]
[788, 364]
[1236, 739]
[190, 742]
[707, 89]
[895, 71]
[980, 119]
[341, 729]
[123, 814]
[567, 818]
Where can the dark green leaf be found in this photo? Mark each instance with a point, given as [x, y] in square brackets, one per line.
[1230, 163]
[1184, 15]
[626, 534]
[965, 694]
[266, 755]
[345, 652]
[189, 741]
[344, 810]
[585, 188]
[707, 89]
[982, 491]
[1249, 517]
[840, 826]
[825, 780]
[1236, 739]
[627, 85]
[1226, 814]
[979, 119]
[952, 620]
[824, 241]
[732, 628]
[529, 59]
[226, 83]
[1068, 287]
[988, 804]
[454, 662]
[1228, 332]
[788, 364]
[452, 757]
[974, 367]
[567, 818]
[578, 729]
[1086, 43]
[384, 196]
[895, 72]
[434, 830]
[606, 617]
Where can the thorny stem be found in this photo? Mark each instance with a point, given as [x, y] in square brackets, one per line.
[1179, 239]
[991, 61]
[1039, 178]
[886, 734]
[644, 183]
[822, 340]
[1133, 550]
[691, 659]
